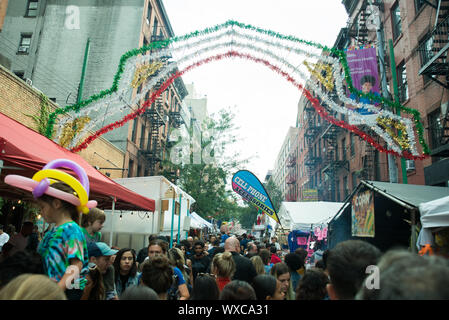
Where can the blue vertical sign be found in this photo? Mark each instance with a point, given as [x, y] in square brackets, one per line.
[246, 184]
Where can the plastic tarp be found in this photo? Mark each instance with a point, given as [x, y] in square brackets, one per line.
[434, 214]
[306, 215]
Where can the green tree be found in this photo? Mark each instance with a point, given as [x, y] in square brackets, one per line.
[208, 182]
[275, 194]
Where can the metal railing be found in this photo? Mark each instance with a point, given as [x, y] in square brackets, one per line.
[434, 42]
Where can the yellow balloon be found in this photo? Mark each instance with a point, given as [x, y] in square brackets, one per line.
[69, 180]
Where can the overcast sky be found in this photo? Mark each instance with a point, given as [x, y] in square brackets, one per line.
[265, 104]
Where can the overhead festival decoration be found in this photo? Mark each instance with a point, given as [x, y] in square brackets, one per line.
[248, 186]
[325, 70]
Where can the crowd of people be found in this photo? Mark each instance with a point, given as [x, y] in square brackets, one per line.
[71, 262]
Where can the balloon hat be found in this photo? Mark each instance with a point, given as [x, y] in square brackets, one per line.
[40, 183]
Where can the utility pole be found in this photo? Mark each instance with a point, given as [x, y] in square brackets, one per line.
[396, 98]
[392, 168]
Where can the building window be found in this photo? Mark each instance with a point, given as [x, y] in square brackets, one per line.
[149, 12]
[351, 137]
[130, 168]
[337, 188]
[20, 74]
[133, 136]
[142, 133]
[396, 20]
[354, 180]
[31, 8]
[402, 82]
[419, 4]
[155, 27]
[435, 128]
[345, 186]
[25, 44]
[343, 149]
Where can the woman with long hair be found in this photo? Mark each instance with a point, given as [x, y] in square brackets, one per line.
[281, 272]
[125, 266]
[177, 259]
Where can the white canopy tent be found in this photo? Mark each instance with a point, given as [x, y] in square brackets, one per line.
[306, 215]
[198, 222]
[434, 214]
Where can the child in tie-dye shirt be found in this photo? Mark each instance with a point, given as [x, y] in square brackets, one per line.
[63, 248]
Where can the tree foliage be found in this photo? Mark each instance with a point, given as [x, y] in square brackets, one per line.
[208, 182]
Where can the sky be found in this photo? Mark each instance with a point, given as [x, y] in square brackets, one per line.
[265, 104]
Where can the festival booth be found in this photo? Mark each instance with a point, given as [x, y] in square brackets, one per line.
[131, 229]
[199, 226]
[24, 152]
[384, 214]
[306, 222]
[434, 234]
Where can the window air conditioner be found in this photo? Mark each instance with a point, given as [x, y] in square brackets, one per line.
[23, 49]
[410, 165]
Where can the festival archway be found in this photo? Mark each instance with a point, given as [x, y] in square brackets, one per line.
[325, 70]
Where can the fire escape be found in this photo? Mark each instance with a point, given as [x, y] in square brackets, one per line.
[157, 117]
[312, 159]
[358, 29]
[433, 50]
[331, 162]
[291, 177]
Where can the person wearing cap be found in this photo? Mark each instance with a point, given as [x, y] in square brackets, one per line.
[4, 237]
[100, 255]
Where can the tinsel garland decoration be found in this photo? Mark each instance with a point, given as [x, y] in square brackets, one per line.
[389, 124]
[144, 72]
[71, 129]
[315, 103]
[317, 69]
[116, 96]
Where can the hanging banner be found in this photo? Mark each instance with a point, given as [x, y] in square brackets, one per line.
[309, 195]
[246, 184]
[363, 214]
[365, 77]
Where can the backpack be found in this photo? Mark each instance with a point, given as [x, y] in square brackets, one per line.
[173, 292]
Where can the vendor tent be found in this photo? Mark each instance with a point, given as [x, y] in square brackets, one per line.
[24, 152]
[434, 214]
[198, 222]
[396, 213]
[306, 215]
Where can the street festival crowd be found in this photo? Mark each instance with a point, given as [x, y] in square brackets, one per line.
[70, 262]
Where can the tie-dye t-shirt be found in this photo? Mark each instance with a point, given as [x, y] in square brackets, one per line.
[61, 244]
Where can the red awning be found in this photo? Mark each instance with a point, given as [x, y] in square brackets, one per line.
[28, 152]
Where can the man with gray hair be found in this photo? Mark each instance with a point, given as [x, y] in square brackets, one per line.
[407, 276]
[245, 270]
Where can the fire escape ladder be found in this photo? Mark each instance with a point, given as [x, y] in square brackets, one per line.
[435, 47]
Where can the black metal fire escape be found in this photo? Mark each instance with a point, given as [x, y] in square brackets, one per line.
[311, 160]
[155, 116]
[331, 162]
[433, 50]
[291, 177]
